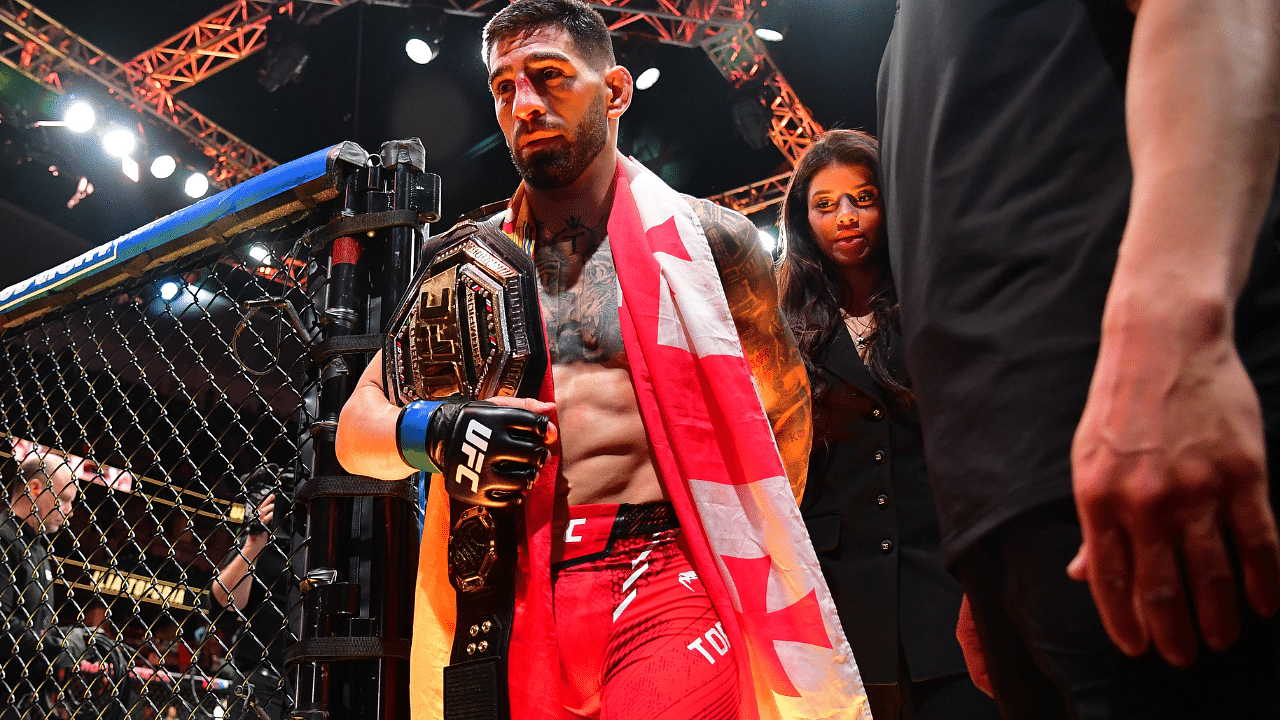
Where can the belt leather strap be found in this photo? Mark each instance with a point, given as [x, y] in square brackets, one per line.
[482, 555]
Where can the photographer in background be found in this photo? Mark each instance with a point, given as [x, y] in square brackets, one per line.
[40, 501]
[249, 597]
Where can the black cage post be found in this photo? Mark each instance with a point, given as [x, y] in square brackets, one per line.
[353, 656]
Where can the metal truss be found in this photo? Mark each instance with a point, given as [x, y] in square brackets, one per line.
[686, 23]
[39, 47]
[755, 197]
[744, 61]
[225, 37]
[44, 50]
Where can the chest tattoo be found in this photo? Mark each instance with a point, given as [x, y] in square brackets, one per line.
[578, 289]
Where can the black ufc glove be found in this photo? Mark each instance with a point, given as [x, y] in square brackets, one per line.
[489, 454]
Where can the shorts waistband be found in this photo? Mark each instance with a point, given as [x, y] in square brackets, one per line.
[590, 531]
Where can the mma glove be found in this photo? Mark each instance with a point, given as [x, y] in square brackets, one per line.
[488, 454]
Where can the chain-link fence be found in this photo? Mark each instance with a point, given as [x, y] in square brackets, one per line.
[162, 415]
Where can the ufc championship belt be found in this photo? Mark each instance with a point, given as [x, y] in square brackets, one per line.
[470, 326]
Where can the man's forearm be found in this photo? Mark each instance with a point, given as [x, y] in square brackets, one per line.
[230, 587]
[1203, 116]
[1168, 462]
[366, 441]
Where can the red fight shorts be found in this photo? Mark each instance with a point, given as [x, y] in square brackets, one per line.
[639, 639]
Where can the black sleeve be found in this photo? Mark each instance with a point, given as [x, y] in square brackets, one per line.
[21, 640]
[268, 567]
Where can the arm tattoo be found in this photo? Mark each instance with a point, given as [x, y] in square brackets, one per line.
[770, 350]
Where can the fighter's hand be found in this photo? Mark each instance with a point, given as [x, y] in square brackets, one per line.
[489, 454]
[1168, 462]
[534, 406]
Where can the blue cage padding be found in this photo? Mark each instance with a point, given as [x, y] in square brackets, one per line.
[289, 189]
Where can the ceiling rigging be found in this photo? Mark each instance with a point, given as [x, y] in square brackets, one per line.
[44, 50]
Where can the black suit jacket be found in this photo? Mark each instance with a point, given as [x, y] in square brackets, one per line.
[26, 606]
[871, 516]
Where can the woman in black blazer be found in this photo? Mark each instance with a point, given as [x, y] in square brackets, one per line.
[867, 504]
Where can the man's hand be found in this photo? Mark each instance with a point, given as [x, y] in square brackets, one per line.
[1168, 463]
[1168, 458]
[974, 658]
[489, 454]
[537, 407]
[260, 525]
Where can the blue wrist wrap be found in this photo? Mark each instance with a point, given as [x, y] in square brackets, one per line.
[411, 434]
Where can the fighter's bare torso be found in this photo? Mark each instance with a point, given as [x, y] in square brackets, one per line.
[604, 450]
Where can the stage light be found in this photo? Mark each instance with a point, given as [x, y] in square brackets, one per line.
[420, 51]
[163, 166]
[79, 117]
[426, 31]
[196, 185]
[752, 120]
[769, 20]
[640, 56]
[285, 54]
[648, 78]
[169, 290]
[260, 254]
[130, 168]
[118, 142]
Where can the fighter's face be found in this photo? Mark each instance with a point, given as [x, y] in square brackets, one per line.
[844, 213]
[551, 104]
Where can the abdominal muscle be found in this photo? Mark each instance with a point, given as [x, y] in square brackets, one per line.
[605, 456]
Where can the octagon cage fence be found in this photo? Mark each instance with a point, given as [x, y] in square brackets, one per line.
[189, 375]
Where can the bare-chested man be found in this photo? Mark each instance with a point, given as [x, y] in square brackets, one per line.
[558, 96]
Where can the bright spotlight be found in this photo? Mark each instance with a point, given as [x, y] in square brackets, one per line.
[118, 142]
[768, 35]
[130, 168]
[420, 51]
[168, 290]
[163, 166]
[767, 239]
[259, 253]
[79, 117]
[197, 185]
[648, 78]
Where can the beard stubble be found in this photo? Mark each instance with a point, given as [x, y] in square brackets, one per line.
[559, 167]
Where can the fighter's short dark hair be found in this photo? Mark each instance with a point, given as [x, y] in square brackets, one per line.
[584, 26]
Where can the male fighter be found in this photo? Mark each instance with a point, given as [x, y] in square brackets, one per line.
[677, 385]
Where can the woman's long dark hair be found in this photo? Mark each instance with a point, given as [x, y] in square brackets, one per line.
[812, 287]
